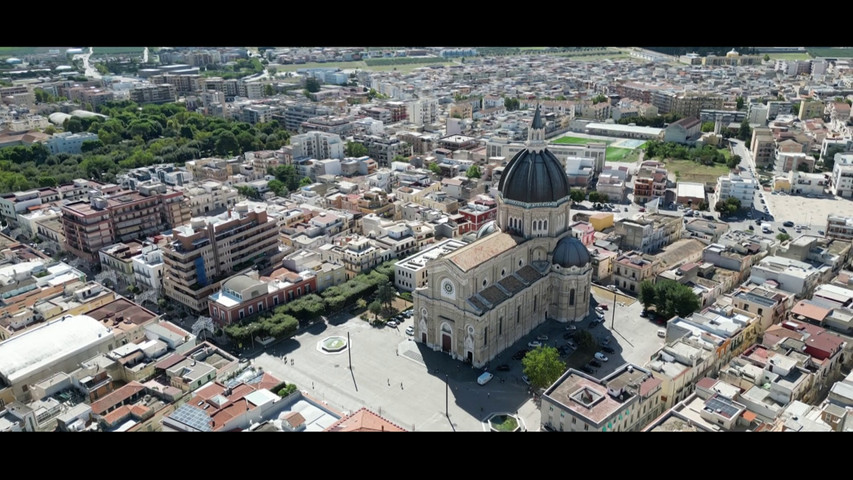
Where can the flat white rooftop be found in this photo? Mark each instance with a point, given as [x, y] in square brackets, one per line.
[40, 347]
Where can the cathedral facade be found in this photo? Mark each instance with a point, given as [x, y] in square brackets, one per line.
[524, 267]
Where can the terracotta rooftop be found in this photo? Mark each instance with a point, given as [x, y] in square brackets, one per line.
[707, 383]
[116, 397]
[364, 420]
[810, 310]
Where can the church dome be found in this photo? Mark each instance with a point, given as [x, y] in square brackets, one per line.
[534, 175]
[570, 252]
[487, 229]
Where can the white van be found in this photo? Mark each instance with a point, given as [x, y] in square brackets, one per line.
[662, 333]
[485, 378]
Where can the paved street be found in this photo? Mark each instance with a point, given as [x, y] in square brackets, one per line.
[397, 378]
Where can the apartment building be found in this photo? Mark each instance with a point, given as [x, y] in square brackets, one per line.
[648, 233]
[209, 198]
[148, 268]
[209, 249]
[733, 185]
[411, 273]
[763, 146]
[119, 217]
[649, 183]
[164, 93]
[842, 175]
[624, 401]
[631, 268]
[839, 227]
[317, 145]
[67, 142]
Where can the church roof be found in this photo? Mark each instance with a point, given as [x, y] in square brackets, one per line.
[481, 250]
[534, 177]
[570, 252]
[493, 295]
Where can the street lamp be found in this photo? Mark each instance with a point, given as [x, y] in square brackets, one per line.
[446, 397]
[613, 314]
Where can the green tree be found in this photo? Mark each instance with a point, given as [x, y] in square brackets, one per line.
[226, 144]
[386, 293]
[473, 171]
[599, 98]
[739, 103]
[766, 57]
[277, 186]
[401, 158]
[288, 175]
[543, 366]
[673, 298]
[312, 84]
[783, 237]
[577, 195]
[305, 182]
[434, 168]
[803, 167]
[702, 206]
[269, 90]
[511, 103]
[585, 340]
[733, 161]
[249, 192]
[708, 126]
[361, 304]
[375, 308]
[647, 294]
[744, 133]
[355, 149]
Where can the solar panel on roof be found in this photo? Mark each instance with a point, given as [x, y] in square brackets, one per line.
[193, 417]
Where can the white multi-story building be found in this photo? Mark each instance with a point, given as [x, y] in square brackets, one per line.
[423, 111]
[839, 227]
[842, 175]
[733, 185]
[317, 145]
[410, 273]
[148, 268]
[67, 142]
[210, 198]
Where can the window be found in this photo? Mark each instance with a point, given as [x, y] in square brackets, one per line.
[535, 299]
[760, 311]
[241, 314]
[574, 420]
[250, 310]
[518, 314]
[572, 297]
[586, 428]
[485, 335]
[275, 300]
[500, 325]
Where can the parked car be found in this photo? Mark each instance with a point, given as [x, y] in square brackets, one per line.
[391, 323]
[485, 378]
[607, 349]
[520, 354]
[598, 309]
[525, 379]
[788, 223]
[542, 338]
[600, 315]
[605, 341]
[603, 306]
[503, 367]
[534, 344]
[595, 363]
[587, 369]
[820, 232]
[571, 328]
[782, 229]
[600, 356]
[410, 330]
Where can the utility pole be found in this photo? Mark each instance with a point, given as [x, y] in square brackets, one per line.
[349, 351]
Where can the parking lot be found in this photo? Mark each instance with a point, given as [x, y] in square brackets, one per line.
[807, 211]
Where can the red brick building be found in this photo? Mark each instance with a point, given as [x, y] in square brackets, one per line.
[245, 295]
